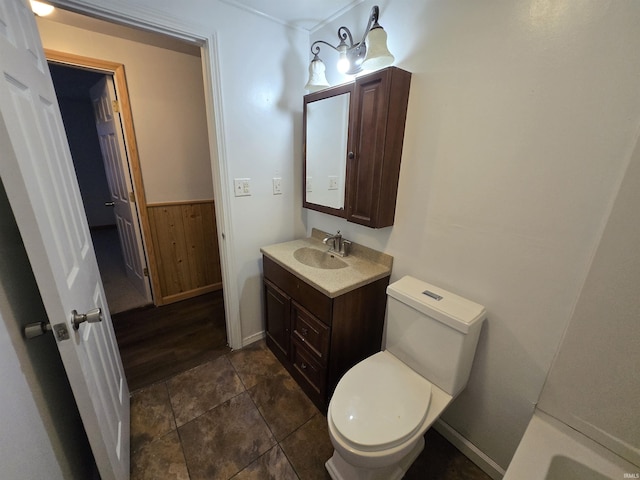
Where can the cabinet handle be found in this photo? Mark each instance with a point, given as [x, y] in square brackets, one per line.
[351, 155]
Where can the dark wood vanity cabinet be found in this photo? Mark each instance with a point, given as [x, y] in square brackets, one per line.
[378, 113]
[318, 338]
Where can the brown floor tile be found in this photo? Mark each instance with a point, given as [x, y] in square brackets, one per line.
[442, 461]
[255, 363]
[308, 448]
[283, 404]
[200, 389]
[231, 438]
[273, 465]
[161, 458]
[151, 415]
[223, 441]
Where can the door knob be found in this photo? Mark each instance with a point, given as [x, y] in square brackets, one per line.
[92, 316]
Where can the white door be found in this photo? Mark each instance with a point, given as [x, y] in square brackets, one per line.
[38, 175]
[114, 155]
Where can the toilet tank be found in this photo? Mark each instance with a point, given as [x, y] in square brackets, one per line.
[433, 331]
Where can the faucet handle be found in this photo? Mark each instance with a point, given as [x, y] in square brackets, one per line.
[345, 247]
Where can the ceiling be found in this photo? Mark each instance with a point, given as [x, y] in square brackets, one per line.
[85, 22]
[305, 14]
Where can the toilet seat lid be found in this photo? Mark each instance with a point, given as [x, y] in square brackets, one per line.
[380, 403]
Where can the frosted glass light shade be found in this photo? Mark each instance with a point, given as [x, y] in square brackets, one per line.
[378, 55]
[343, 62]
[41, 9]
[317, 78]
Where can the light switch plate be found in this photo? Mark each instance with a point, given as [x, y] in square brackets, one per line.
[333, 182]
[277, 186]
[242, 187]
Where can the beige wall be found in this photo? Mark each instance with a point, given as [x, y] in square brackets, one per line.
[521, 123]
[522, 119]
[167, 101]
[594, 385]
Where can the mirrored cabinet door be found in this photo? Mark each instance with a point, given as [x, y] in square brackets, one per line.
[326, 130]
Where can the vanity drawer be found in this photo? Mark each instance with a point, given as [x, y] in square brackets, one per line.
[313, 300]
[308, 370]
[309, 330]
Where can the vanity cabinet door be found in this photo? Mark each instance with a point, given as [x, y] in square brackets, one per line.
[310, 375]
[310, 331]
[379, 108]
[278, 313]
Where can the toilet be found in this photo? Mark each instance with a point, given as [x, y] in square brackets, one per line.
[382, 406]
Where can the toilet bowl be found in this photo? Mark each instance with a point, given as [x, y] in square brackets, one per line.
[382, 406]
[389, 428]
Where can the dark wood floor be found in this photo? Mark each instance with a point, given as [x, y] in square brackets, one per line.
[158, 342]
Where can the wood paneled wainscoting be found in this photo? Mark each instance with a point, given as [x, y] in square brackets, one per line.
[185, 244]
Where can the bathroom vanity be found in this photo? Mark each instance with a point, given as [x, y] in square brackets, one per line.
[324, 313]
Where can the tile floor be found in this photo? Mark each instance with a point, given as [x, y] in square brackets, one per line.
[241, 416]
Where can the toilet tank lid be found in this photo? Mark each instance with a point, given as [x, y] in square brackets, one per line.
[449, 308]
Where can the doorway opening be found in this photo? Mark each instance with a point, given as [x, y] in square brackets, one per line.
[171, 35]
[104, 178]
[155, 343]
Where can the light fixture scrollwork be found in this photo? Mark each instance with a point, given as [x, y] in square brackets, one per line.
[370, 53]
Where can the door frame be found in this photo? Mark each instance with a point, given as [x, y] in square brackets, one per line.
[144, 19]
[116, 71]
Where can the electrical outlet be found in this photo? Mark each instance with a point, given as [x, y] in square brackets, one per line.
[242, 187]
[277, 186]
[309, 184]
[333, 182]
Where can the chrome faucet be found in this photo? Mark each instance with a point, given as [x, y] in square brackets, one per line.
[339, 245]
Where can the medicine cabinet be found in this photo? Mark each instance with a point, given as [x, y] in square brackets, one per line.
[353, 135]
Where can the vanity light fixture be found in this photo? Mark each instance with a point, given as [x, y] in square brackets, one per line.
[371, 53]
[41, 9]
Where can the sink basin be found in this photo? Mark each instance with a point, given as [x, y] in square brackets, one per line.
[313, 257]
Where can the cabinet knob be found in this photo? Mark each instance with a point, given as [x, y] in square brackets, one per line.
[351, 155]
[303, 366]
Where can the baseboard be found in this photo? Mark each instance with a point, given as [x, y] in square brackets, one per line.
[253, 338]
[469, 450]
